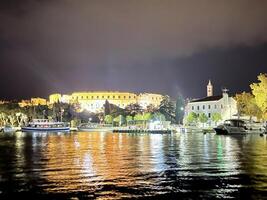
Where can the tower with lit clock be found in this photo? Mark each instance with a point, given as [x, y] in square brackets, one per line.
[209, 89]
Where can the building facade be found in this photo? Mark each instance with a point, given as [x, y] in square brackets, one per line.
[38, 101]
[95, 100]
[222, 104]
[33, 102]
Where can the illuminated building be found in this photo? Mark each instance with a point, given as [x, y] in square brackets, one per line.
[54, 98]
[38, 101]
[33, 102]
[24, 103]
[222, 104]
[95, 100]
[146, 99]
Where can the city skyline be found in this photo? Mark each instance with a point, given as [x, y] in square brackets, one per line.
[64, 46]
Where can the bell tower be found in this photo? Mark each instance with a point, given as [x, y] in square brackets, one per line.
[209, 89]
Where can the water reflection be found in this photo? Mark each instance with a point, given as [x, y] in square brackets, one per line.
[107, 165]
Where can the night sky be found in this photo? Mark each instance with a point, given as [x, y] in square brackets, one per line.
[162, 46]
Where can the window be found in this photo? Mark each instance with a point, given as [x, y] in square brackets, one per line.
[92, 97]
[129, 97]
[97, 97]
[209, 115]
[108, 97]
[192, 107]
[113, 97]
[209, 106]
[103, 97]
[119, 97]
[197, 107]
[203, 107]
[215, 106]
[221, 106]
[124, 97]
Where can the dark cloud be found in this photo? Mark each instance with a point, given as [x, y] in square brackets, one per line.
[150, 45]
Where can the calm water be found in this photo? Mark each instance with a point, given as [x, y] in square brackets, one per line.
[114, 166]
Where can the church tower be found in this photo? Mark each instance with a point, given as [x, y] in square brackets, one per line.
[209, 89]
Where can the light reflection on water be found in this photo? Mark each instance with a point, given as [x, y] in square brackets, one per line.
[108, 165]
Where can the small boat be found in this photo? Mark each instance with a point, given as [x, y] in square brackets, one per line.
[90, 127]
[231, 127]
[8, 129]
[45, 125]
[255, 127]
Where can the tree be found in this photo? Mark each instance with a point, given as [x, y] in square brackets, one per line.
[179, 110]
[12, 119]
[129, 118]
[158, 117]
[120, 120]
[108, 119]
[107, 108]
[147, 116]
[167, 108]
[3, 119]
[191, 118]
[246, 105]
[151, 108]
[133, 109]
[259, 90]
[203, 118]
[116, 110]
[216, 117]
[138, 117]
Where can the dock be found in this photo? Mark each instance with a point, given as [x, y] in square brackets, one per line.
[122, 130]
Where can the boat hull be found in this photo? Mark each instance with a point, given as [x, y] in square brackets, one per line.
[32, 129]
[220, 131]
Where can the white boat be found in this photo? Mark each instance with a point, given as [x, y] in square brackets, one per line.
[8, 129]
[231, 126]
[255, 127]
[45, 125]
[90, 127]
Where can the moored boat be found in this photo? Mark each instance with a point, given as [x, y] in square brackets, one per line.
[90, 127]
[45, 125]
[8, 129]
[231, 126]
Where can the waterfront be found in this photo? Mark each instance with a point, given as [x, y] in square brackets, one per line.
[120, 165]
